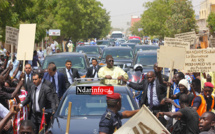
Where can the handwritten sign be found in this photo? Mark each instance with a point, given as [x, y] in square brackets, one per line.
[187, 37]
[176, 42]
[168, 54]
[11, 36]
[139, 124]
[200, 60]
[26, 41]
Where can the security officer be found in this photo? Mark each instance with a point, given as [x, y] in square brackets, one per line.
[111, 119]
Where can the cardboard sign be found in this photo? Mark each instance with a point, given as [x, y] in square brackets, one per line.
[26, 41]
[143, 122]
[187, 37]
[168, 54]
[11, 37]
[200, 60]
[176, 42]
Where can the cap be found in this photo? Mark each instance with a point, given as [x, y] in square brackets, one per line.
[137, 65]
[208, 84]
[115, 96]
[185, 83]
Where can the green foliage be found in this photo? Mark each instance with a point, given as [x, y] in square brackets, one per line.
[211, 22]
[168, 17]
[134, 29]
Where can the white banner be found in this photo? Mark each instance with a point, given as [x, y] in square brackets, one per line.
[54, 32]
[11, 37]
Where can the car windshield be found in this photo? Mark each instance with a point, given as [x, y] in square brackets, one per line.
[102, 42]
[146, 59]
[118, 53]
[116, 35]
[85, 105]
[88, 50]
[145, 48]
[134, 41]
[77, 61]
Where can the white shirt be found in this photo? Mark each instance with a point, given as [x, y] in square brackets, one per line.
[26, 76]
[68, 75]
[3, 111]
[40, 55]
[53, 46]
[155, 97]
[56, 81]
[94, 71]
[37, 97]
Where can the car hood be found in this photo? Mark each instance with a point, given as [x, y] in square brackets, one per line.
[119, 61]
[78, 125]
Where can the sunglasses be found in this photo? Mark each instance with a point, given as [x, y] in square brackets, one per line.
[110, 60]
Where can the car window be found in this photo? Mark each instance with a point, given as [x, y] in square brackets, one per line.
[118, 53]
[83, 105]
[146, 60]
[134, 41]
[88, 50]
[132, 46]
[77, 61]
[102, 42]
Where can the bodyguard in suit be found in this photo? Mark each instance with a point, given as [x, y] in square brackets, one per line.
[92, 72]
[39, 96]
[69, 73]
[28, 81]
[153, 92]
[57, 79]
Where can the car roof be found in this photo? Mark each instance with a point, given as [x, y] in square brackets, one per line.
[128, 43]
[101, 40]
[134, 39]
[88, 46]
[67, 53]
[147, 52]
[117, 47]
[146, 46]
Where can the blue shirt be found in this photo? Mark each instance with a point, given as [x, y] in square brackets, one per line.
[34, 62]
[110, 122]
[15, 65]
[176, 90]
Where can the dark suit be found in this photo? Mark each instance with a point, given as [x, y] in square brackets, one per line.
[45, 99]
[75, 74]
[61, 82]
[90, 73]
[160, 90]
[28, 85]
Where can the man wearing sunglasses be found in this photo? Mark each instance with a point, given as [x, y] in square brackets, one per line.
[110, 71]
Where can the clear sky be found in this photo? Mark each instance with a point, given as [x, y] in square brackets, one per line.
[122, 10]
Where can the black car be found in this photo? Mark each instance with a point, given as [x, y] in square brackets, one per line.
[79, 61]
[131, 45]
[147, 59]
[91, 51]
[87, 110]
[123, 56]
[145, 47]
[103, 42]
[136, 41]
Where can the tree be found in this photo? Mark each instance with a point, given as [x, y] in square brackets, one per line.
[168, 17]
[135, 27]
[211, 22]
[77, 19]
[182, 18]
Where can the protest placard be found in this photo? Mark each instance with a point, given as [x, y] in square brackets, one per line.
[26, 41]
[139, 124]
[187, 37]
[11, 37]
[176, 42]
[168, 54]
[199, 60]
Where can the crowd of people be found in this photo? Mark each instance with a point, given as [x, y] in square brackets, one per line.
[24, 95]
